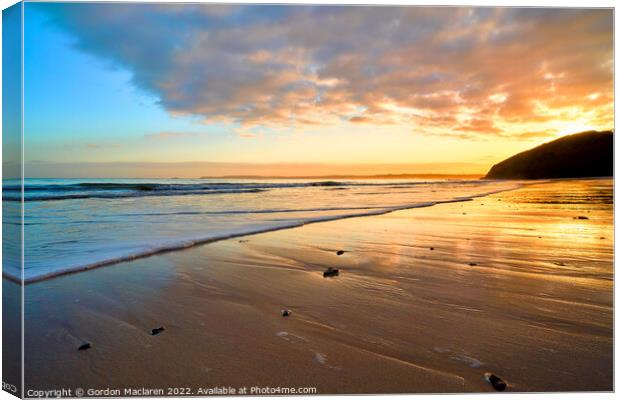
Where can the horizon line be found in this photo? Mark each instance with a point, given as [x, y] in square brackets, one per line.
[336, 176]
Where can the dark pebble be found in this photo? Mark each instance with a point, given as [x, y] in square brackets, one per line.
[432, 248]
[85, 346]
[157, 331]
[286, 313]
[340, 252]
[331, 272]
[497, 383]
[581, 217]
[472, 264]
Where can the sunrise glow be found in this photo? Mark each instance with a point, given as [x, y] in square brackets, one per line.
[240, 84]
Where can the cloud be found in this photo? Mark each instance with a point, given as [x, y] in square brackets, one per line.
[98, 146]
[165, 135]
[359, 119]
[439, 70]
[246, 132]
[249, 135]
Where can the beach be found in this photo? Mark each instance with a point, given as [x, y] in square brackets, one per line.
[518, 283]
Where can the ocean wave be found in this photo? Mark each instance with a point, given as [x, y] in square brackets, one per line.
[148, 187]
[105, 258]
[120, 195]
[39, 191]
[257, 211]
[31, 276]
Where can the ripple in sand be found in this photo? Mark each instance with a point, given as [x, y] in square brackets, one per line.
[441, 349]
[320, 358]
[474, 363]
[290, 337]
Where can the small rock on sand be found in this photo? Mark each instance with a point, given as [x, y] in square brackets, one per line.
[84, 346]
[432, 248]
[286, 313]
[340, 252]
[331, 272]
[157, 331]
[472, 264]
[581, 217]
[495, 381]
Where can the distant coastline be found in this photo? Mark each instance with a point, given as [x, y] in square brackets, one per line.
[283, 177]
[381, 176]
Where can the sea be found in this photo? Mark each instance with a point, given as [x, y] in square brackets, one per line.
[72, 225]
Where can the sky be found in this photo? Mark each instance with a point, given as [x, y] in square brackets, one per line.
[190, 90]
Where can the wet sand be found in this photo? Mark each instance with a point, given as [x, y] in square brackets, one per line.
[514, 285]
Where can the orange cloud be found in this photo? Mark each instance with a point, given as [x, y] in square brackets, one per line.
[466, 72]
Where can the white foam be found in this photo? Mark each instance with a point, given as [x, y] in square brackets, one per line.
[472, 362]
[60, 253]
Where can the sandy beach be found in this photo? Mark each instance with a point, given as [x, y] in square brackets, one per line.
[427, 300]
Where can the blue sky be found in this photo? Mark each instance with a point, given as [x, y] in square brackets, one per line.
[11, 92]
[82, 108]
